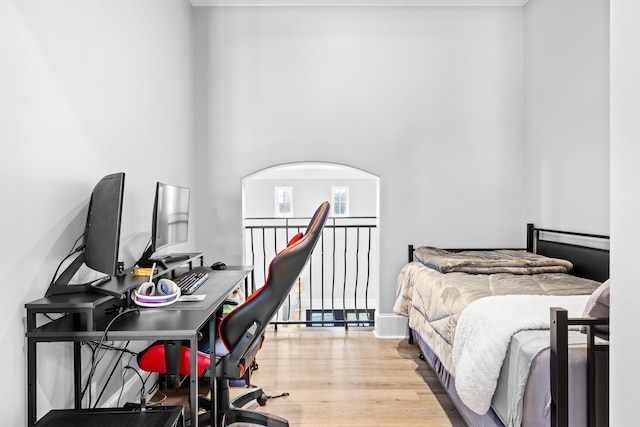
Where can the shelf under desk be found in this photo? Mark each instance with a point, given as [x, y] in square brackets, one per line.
[165, 416]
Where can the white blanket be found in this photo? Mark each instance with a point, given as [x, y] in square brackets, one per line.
[483, 333]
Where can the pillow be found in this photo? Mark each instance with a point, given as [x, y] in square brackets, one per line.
[598, 306]
[598, 303]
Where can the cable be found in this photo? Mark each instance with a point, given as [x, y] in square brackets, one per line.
[86, 386]
[113, 347]
[95, 359]
[122, 351]
[142, 388]
[125, 367]
[279, 395]
[73, 251]
[148, 244]
[55, 274]
[159, 402]
[95, 347]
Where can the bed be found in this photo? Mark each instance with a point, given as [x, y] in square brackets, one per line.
[485, 320]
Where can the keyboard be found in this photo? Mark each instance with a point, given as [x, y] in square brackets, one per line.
[190, 282]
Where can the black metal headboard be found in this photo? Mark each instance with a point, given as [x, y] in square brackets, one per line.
[588, 262]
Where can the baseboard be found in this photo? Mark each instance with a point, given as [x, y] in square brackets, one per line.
[389, 325]
[131, 391]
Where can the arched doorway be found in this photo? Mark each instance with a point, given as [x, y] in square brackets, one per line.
[339, 286]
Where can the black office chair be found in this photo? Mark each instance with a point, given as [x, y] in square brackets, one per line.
[241, 334]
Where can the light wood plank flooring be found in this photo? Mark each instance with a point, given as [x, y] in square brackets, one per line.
[346, 378]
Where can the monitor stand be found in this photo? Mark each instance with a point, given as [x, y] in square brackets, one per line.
[170, 258]
[147, 259]
[62, 284]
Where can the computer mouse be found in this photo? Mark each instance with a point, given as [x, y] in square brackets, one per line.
[218, 265]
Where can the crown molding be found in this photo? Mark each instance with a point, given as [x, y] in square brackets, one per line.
[390, 3]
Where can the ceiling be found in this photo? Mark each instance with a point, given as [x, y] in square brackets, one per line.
[358, 2]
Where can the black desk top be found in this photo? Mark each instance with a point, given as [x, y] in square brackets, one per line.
[177, 321]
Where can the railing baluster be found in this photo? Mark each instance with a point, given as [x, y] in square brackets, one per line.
[322, 285]
[253, 253]
[344, 283]
[366, 294]
[355, 285]
[333, 275]
[310, 291]
[264, 255]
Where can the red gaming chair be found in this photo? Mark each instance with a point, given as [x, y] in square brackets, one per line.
[241, 333]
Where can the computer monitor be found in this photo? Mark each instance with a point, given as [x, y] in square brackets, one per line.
[101, 243]
[169, 223]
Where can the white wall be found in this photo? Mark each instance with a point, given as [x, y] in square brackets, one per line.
[567, 121]
[308, 194]
[428, 99]
[88, 88]
[625, 210]
[566, 50]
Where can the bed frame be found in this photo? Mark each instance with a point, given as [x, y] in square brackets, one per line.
[590, 262]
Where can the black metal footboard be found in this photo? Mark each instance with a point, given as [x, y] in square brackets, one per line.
[597, 369]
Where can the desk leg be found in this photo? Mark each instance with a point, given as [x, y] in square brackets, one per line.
[246, 285]
[31, 382]
[77, 375]
[213, 328]
[193, 389]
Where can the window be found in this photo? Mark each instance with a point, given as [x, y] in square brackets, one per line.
[340, 201]
[284, 201]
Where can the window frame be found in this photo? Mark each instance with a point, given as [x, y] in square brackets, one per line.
[334, 205]
[277, 192]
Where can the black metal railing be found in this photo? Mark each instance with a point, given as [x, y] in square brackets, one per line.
[336, 288]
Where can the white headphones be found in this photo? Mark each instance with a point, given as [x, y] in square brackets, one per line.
[149, 294]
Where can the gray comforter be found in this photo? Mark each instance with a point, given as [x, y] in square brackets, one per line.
[489, 262]
[433, 301]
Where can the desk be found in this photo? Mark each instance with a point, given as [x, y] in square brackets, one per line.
[85, 307]
[179, 321]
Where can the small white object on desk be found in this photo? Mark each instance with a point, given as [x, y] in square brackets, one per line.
[186, 298]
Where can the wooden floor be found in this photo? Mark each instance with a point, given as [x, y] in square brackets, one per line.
[346, 378]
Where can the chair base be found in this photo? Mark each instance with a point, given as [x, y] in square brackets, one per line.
[235, 413]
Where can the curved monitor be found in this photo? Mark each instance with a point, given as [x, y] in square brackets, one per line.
[170, 224]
